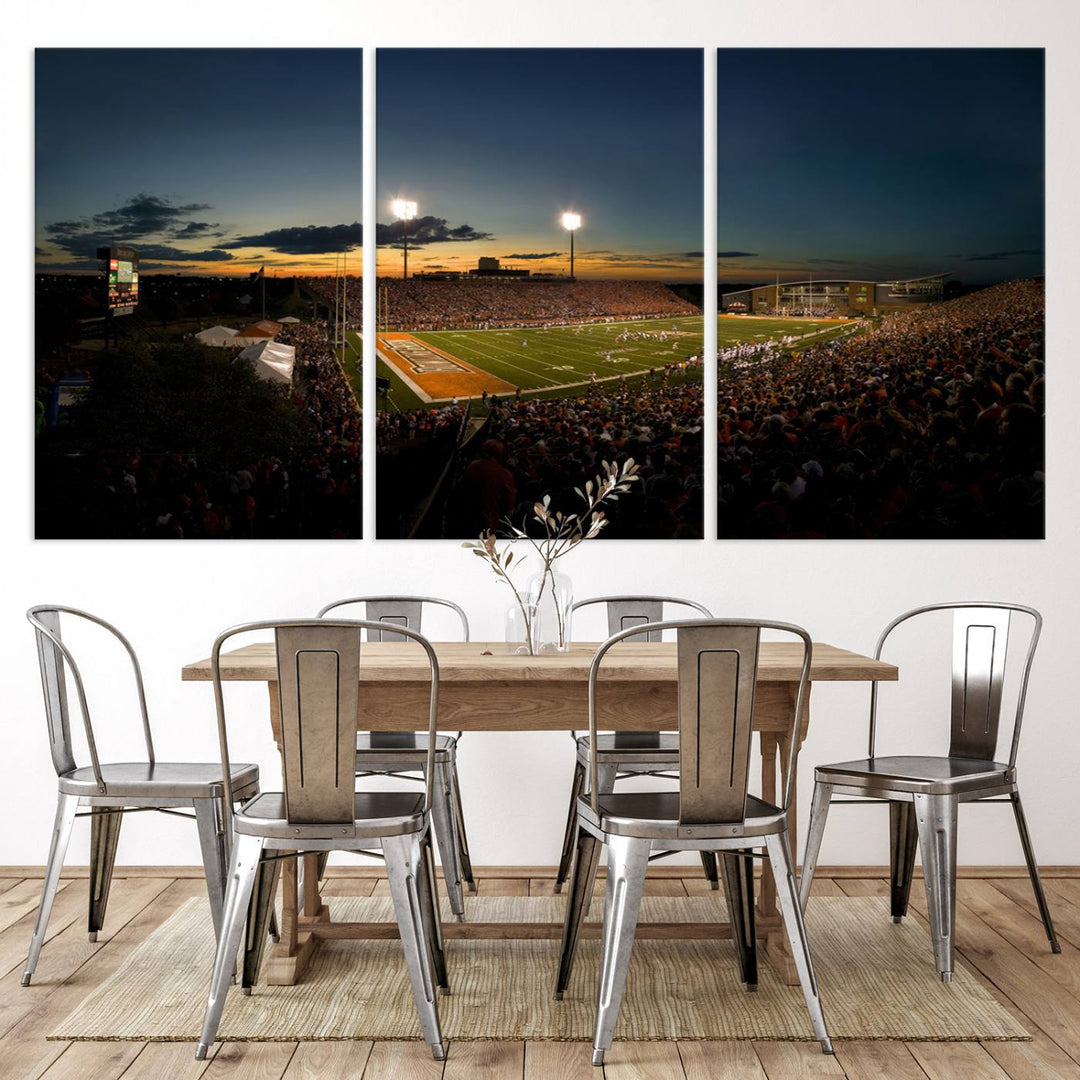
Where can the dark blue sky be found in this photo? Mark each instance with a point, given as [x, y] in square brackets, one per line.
[504, 140]
[881, 163]
[188, 151]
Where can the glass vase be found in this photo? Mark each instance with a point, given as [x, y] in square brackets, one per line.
[553, 595]
[522, 624]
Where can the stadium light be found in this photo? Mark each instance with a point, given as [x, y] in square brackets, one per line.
[404, 210]
[570, 222]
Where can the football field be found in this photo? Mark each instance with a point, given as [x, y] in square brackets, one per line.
[431, 368]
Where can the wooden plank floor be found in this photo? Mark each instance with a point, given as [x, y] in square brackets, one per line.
[998, 935]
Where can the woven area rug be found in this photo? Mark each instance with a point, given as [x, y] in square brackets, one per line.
[877, 981]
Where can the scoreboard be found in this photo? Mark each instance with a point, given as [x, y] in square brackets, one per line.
[121, 279]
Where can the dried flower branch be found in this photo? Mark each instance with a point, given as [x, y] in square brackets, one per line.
[562, 533]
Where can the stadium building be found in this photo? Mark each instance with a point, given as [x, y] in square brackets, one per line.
[835, 297]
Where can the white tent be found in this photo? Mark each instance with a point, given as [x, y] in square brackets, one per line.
[273, 361]
[288, 320]
[217, 335]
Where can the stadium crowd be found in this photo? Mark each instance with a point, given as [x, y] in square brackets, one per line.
[419, 304]
[393, 430]
[328, 290]
[930, 425]
[538, 447]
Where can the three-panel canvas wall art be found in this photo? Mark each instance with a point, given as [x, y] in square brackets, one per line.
[538, 313]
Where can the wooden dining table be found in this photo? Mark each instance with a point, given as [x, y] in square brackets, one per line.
[484, 687]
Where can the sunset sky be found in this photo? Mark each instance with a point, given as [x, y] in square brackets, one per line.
[880, 163]
[494, 144]
[204, 160]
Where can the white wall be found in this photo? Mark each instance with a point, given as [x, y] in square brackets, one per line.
[172, 598]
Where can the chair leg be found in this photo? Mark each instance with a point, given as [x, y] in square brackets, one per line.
[428, 891]
[259, 913]
[936, 818]
[403, 869]
[566, 859]
[606, 775]
[582, 880]
[66, 805]
[815, 830]
[246, 856]
[104, 836]
[903, 841]
[1033, 871]
[214, 855]
[712, 873]
[464, 858]
[739, 893]
[787, 897]
[442, 821]
[628, 860]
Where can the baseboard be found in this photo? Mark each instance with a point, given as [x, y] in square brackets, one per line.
[668, 871]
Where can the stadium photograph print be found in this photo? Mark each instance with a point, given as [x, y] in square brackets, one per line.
[881, 315]
[197, 293]
[539, 288]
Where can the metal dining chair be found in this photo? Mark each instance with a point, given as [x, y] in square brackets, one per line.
[402, 754]
[712, 811]
[318, 665]
[924, 792]
[627, 753]
[109, 790]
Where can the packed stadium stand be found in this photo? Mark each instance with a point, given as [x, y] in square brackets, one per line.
[328, 291]
[417, 304]
[930, 425]
[530, 448]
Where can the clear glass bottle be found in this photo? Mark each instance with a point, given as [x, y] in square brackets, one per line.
[521, 629]
[553, 595]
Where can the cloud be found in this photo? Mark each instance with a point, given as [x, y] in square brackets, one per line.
[998, 256]
[427, 230]
[304, 239]
[141, 218]
[165, 253]
[829, 262]
[736, 254]
[196, 228]
[535, 255]
[692, 254]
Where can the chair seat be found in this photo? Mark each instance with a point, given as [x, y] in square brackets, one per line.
[922, 775]
[398, 744]
[655, 815]
[376, 813]
[633, 748]
[163, 779]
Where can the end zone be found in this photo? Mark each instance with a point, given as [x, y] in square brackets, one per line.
[434, 374]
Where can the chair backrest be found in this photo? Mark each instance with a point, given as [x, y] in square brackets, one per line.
[980, 640]
[624, 612]
[717, 677]
[54, 657]
[318, 670]
[404, 611]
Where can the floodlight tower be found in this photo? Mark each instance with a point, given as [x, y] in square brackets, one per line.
[404, 210]
[570, 222]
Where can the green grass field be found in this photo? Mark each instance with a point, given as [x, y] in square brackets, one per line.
[543, 361]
